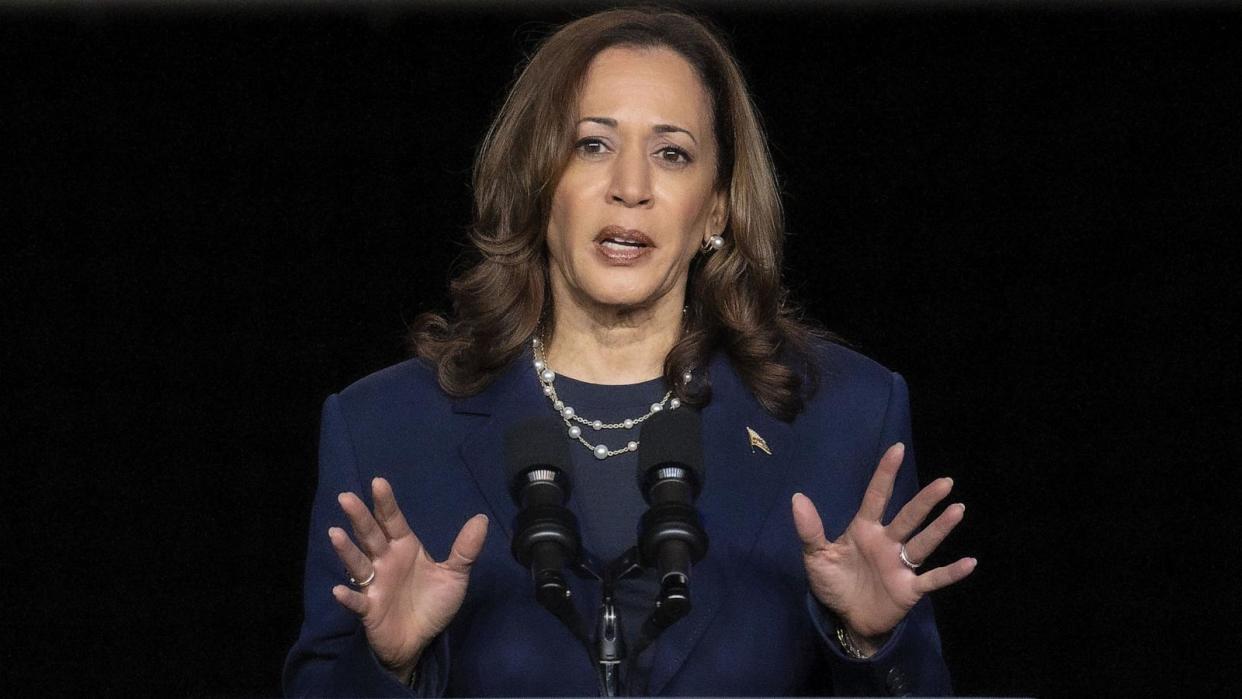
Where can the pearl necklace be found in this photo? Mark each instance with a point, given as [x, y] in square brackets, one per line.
[569, 416]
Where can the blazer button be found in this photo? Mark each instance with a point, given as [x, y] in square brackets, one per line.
[895, 680]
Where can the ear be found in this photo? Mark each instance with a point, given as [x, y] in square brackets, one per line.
[718, 216]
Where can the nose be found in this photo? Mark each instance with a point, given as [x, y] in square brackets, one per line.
[631, 180]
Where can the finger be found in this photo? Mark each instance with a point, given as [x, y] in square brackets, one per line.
[387, 513]
[915, 511]
[808, 524]
[367, 531]
[352, 600]
[944, 576]
[467, 545]
[881, 487]
[356, 562]
[922, 546]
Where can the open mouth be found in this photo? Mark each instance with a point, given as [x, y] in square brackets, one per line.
[622, 246]
[620, 239]
[621, 243]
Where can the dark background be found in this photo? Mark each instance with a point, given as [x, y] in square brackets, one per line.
[214, 216]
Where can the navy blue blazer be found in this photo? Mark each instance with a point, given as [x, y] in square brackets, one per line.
[754, 629]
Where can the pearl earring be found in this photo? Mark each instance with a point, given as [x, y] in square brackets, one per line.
[713, 243]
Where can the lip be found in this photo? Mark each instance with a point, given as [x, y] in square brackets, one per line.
[620, 254]
[632, 235]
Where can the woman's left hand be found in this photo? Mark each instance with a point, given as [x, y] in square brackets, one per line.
[861, 576]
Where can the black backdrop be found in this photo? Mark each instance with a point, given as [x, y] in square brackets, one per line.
[215, 215]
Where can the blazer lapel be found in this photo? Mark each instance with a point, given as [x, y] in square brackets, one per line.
[514, 395]
[742, 484]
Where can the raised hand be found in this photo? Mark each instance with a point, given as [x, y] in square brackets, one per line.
[861, 576]
[405, 598]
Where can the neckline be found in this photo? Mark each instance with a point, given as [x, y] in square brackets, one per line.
[576, 392]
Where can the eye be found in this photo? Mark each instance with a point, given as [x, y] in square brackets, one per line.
[674, 155]
[591, 146]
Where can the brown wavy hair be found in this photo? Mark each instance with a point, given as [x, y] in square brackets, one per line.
[736, 301]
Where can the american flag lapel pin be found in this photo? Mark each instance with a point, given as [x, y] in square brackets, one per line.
[757, 441]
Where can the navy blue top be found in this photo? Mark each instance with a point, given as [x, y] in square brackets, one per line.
[606, 496]
[605, 492]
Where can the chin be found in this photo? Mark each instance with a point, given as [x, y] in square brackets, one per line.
[619, 287]
[624, 301]
[621, 295]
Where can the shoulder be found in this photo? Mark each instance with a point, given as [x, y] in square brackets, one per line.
[851, 383]
[413, 373]
[409, 386]
[845, 368]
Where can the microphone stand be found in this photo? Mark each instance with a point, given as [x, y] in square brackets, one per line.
[555, 596]
[670, 607]
[610, 648]
[608, 651]
[611, 652]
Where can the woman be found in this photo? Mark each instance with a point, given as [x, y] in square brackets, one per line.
[629, 232]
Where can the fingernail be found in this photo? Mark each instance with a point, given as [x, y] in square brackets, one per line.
[962, 505]
[485, 519]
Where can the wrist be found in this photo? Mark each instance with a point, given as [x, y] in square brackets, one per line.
[868, 644]
[857, 645]
[404, 670]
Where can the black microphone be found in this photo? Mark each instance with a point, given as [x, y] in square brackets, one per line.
[545, 532]
[671, 536]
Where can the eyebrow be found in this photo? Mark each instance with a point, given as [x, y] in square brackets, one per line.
[658, 128]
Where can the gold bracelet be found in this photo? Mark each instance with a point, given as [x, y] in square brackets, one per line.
[847, 644]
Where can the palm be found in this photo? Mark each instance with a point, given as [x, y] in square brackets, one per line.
[860, 576]
[411, 598]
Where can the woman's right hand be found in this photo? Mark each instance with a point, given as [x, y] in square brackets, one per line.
[412, 598]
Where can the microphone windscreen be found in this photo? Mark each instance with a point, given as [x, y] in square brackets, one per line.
[671, 437]
[537, 441]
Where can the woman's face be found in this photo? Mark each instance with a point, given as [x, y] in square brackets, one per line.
[637, 199]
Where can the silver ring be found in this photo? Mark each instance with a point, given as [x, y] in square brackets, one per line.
[904, 559]
[371, 578]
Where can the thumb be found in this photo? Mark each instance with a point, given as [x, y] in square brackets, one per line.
[467, 545]
[810, 527]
